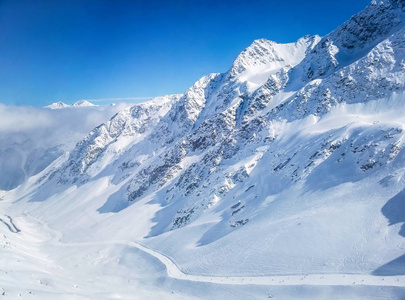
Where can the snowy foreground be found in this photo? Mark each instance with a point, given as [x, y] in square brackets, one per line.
[282, 178]
[35, 264]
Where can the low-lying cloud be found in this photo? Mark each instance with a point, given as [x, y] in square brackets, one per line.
[42, 133]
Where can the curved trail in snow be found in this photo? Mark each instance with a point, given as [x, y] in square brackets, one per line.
[310, 279]
[174, 272]
[10, 224]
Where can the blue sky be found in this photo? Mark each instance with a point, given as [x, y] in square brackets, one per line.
[60, 50]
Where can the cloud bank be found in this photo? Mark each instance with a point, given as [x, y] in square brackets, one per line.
[31, 138]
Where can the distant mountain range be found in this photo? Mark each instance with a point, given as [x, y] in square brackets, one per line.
[80, 103]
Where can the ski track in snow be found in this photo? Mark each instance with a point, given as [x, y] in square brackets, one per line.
[174, 272]
[10, 225]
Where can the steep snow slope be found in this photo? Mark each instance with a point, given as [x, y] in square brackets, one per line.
[264, 57]
[291, 163]
[353, 39]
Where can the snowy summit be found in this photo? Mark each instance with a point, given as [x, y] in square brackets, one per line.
[60, 105]
[57, 105]
[82, 103]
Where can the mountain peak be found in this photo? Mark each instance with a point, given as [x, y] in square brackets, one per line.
[266, 57]
[369, 27]
[57, 105]
[262, 41]
[82, 103]
[394, 3]
[353, 39]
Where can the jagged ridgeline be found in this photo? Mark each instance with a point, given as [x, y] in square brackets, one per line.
[283, 177]
[312, 114]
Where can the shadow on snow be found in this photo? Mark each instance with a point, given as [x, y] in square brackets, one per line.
[394, 211]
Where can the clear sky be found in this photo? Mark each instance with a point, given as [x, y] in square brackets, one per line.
[67, 50]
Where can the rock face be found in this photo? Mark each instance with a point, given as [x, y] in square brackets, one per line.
[283, 115]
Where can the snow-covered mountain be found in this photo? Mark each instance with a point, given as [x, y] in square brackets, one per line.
[82, 103]
[289, 164]
[60, 105]
[57, 105]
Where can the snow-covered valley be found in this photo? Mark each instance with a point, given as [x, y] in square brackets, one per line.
[282, 178]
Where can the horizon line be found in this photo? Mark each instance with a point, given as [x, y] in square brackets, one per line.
[117, 99]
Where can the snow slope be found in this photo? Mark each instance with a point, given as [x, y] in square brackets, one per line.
[283, 177]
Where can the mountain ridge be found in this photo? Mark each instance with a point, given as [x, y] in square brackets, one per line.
[283, 165]
[61, 105]
[230, 122]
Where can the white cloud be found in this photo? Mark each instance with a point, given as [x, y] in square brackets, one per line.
[27, 132]
[22, 118]
[119, 99]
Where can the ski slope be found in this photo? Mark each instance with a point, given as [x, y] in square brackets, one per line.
[77, 276]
